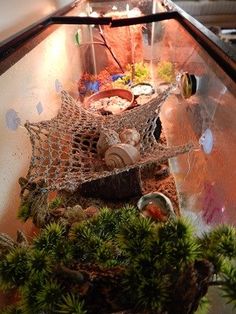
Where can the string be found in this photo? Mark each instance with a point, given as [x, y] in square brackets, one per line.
[197, 148]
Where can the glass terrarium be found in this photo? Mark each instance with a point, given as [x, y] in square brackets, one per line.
[108, 104]
[147, 58]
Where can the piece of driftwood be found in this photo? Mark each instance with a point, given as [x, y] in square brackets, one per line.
[120, 186]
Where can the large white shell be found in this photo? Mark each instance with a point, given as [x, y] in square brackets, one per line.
[107, 138]
[121, 155]
[130, 136]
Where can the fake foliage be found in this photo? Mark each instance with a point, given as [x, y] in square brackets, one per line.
[166, 72]
[118, 260]
[135, 74]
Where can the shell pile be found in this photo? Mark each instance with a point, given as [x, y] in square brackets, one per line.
[142, 89]
[120, 150]
[114, 104]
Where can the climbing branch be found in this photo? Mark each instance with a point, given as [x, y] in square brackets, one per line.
[109, 48]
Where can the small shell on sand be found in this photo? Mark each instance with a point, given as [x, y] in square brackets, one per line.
[91, 211]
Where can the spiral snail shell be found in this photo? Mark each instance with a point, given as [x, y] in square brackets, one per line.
[130, 136]
[121, 155]
[107, 138]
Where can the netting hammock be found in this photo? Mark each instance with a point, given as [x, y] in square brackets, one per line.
[64, 149]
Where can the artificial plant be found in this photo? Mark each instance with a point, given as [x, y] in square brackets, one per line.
[117, 260]
[166, 71]
[135, 73]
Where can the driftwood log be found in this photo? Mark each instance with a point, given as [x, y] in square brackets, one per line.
[102, 289]
[115, 187]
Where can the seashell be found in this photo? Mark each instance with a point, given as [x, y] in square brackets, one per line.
[77, 208]
[130, 136]
[91, 211]
[157, 206]
[57, 212]
[121, 155]
[107, 138]
[75, 213]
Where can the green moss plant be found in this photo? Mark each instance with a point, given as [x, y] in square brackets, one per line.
[12, 309]
[24, 212]
[14, 270]
[71, 304]
[119, 260]
[56, 203]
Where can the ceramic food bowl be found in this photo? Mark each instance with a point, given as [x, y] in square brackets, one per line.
[111, 101]
[142, 89]
[156, 206]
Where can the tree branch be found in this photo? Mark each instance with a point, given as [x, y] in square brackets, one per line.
[73, 274]
[109, 48]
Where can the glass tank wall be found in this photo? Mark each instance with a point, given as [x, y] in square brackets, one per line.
[159, 53]
[205, 177]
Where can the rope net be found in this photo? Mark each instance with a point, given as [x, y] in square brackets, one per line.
[64, 149]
